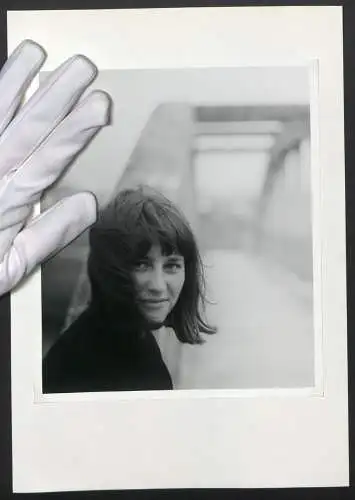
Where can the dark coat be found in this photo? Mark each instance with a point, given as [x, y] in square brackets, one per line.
[97, 354]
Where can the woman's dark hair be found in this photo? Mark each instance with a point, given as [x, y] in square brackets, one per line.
[125, 231]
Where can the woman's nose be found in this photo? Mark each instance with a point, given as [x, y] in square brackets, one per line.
[157, 281]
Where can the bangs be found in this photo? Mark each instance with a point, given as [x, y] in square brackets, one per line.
[138, 219]
[152, 223]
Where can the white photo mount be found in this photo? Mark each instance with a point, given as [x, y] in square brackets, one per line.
[209, 439]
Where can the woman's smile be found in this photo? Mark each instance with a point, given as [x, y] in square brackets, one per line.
[152, 302]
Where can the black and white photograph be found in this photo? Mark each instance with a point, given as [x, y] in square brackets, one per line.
[198, 272]
[193, 333]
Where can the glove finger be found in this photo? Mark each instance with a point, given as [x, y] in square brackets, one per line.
[46, 235]
[24, 188]
[16, 76]
[44, 111]
[8, 234]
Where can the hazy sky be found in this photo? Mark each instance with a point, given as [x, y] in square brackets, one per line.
[237, 176]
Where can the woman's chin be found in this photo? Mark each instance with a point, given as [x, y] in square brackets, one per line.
[155, 315]
[155, 321]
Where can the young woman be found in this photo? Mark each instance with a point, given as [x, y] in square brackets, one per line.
[145, 272]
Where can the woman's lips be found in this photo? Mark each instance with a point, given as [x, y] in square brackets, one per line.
[154, 303]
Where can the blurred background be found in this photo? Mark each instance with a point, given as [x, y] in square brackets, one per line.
[231, 146]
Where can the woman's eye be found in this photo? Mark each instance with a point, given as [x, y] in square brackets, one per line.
[173, 266]
[141, 266]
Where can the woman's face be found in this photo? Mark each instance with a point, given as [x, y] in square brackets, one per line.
[158, 281]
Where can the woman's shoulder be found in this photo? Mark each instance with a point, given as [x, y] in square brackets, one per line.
[69, 354]
[74, 335]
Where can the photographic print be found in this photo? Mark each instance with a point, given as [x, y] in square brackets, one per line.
[218, 159]
[195, 336]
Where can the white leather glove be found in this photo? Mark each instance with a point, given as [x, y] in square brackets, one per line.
[36, 144]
